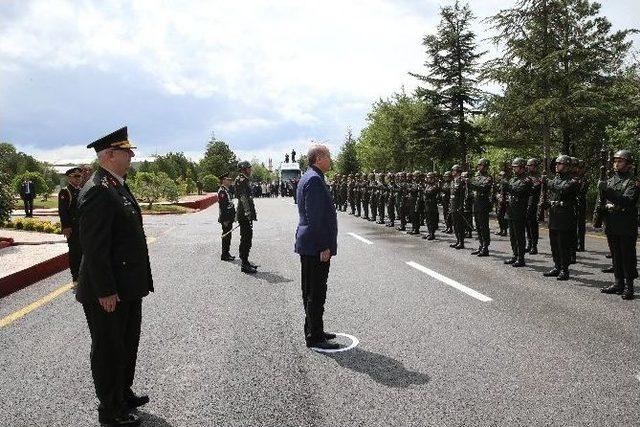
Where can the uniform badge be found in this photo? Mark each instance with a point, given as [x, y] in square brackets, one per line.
[105, 182]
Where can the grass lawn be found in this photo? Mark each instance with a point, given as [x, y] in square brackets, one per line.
[165, 208]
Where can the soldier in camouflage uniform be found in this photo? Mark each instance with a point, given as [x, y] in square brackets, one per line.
[335, 184]
[518, 209]
[468, 206]
[562, 192]
[533, 228]
[400, 200]
[621, 195]
[482, 187]
[358, 195]
[581, 206]
[343, 193]
[445, 197]
[351, 194]
[431, 197]
[501, 211]
[382, 198]
[364, 188]
[413, 205]
[373, 197]
[391, 199]
[456, 207]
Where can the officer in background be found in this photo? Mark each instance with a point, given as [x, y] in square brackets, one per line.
[28, 194]
[245, 216]
[482, 187]
[562, 192]
[533, 228]
[115, 275]
[226, 216]
[518, 209]
[621, 223]
[69, 219]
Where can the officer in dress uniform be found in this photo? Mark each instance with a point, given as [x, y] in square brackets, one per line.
[245, 216]
[69, 220]
[115, 275]
[621, 223]
[226, 216]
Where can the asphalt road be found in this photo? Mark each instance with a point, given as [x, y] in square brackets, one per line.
[449, 340]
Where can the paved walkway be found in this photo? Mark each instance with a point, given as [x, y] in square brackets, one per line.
[17, 258]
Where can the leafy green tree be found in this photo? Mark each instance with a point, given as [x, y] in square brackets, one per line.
[6, 198]
[347, 160]
[42, 187]
[218, 158]
[210, 183]
[147, 187]
[303, 162]
[452, 84]
[260, 173]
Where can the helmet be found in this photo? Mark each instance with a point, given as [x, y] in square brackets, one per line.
[372, 175]
[624, 154]
[446, 174]
[244, 165]
[483, 162]
[456, 168]
[417, 173]
[533, 162]
[390, 175]
[518, 161]
[563, 159]
[398, 175]
[431, 174]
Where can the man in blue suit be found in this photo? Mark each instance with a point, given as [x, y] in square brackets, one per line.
[316, 243]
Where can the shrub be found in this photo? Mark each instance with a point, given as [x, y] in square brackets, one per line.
[39, 226]
[210, 183]
[28, 225]
[19, 224]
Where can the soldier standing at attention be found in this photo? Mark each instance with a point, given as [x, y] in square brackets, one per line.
[344, 190]
[621, 223]
[391, 199]
[431, 196]
[69, 218]
[245, 216]
[412, 206]
[518, 209]
[445, 190]
[581, 207]
[400, 200]
[358, 195]
[364, 189]
[457, 190]
[382, 198]
[501, 203]
[226, 216]
[373, 196]
[482, 186]
[533, 228]
[115, 275]
[562, 191]
[351, 194]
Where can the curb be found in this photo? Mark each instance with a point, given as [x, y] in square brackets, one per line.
[23, 278]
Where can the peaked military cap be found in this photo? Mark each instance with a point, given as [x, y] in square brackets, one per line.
[117, 139]
[72, 171]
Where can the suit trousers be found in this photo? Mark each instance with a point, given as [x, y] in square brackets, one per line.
[623, 251]
[226, 240]
[114, 350]
[28, 206]
[517, 235]
[75, 253]
[246, 236]
[314, 275]
[560, 241]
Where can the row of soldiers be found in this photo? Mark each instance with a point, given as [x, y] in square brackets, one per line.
[521, 195]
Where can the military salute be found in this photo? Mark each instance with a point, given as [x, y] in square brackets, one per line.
[69, 219]
[226, 217]
[115, 275]
[245, 216]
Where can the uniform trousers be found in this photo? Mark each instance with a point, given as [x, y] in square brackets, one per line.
[533, 232]
[226, 240]
[391, 212]
[246, 236]
[517, 235]
[365, 206]
[561, 245]
[75, 253]
[459, 227]
[431, 219]
[623, 251]
[381, 203]
[482, 225]
[114, 350]
[314, 293]
[582, 225]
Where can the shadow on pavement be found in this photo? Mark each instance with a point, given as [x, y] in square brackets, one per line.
[382, 369]
[152, 420]
[269, 277]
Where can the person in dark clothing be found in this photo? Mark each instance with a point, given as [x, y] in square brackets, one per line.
[69, 219]
[28, 194]
[482, 187]
[532, 227]
[518, 210]
[245, 215]
[316, 243]
[226, 216]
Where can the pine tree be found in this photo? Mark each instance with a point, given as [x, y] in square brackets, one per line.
[451, 82]
[347, 161]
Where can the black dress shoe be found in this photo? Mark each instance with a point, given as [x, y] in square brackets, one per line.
[534, 250]
[608, 270]
[519, 263]
[484, 252]
[227, 257]
[248, 268]
[323, 345]
[328, 336]
[564, 275]
[554, 272]
[123, 420]
[477, 251]
[132, 401]
[617, 288]
[459, 246]
[609, 256]
[510, 260]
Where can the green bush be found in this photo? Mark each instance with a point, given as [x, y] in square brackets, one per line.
[210, 183]
[42, 188]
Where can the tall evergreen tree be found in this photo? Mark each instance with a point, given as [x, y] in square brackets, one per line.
[218, 158]
[347, 161]
[452, 59]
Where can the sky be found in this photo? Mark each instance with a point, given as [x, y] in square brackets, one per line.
[264, 76]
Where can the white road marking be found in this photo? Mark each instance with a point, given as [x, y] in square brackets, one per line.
[354, 343]
[362, 239]
[477, 295]
[638, 377]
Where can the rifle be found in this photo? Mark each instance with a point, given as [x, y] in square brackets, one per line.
[544, 191]
[600, 202]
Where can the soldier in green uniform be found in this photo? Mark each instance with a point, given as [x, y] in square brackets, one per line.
[351, 194]
[373, 196]
[562, 192]
[445, 197]
[69, 219]
[518, 209]
[431, 196]
[413, 209]
[226, 216]
[501, 203]
[245, 215]
[399, 199]
[358, 194]
[581, 206]
[391, 199]
[364, 188]
[115, 275]
[382, 198]
[621, 223]
[456, 207]
[343, 193]
[533, 228]
[468, 205]
[482, 187]
[334, 190]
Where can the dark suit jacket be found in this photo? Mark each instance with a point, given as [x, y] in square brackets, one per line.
[31, 188]
[318, 225]
[115, 255]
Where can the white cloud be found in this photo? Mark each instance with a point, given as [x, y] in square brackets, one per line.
[238, 125]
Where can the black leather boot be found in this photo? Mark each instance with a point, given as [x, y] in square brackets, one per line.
[616, 288]
[484, 251]
[533, 250]
[628, 290]
[554, 272]
[519, 262]
[510, 260]
[564, 275]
